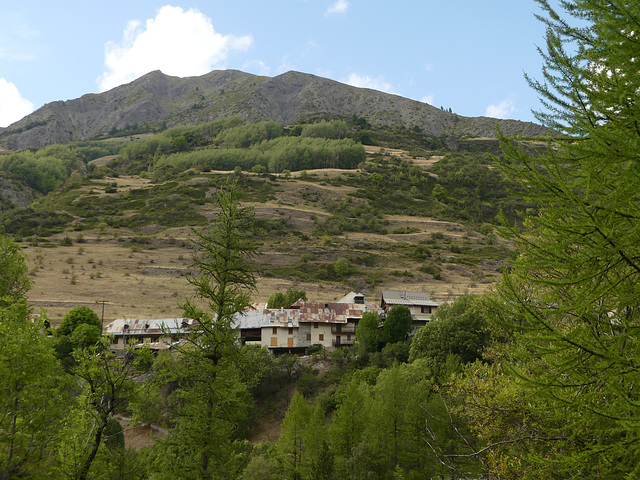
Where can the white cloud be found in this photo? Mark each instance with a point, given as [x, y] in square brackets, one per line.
[501, 110]
[364, 81]
[178, 42]
[338, 8]
[12, 106]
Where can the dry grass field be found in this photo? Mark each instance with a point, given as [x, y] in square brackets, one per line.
[144, 274]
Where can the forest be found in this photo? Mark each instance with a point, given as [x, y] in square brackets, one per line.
[535, 379]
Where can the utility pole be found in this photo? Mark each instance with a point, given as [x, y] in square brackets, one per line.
[102, 318]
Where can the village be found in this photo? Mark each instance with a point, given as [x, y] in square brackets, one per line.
[283, 330]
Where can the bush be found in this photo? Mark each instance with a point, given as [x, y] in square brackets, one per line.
[66, 241]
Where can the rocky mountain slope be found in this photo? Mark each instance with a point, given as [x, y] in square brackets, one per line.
[159, 99]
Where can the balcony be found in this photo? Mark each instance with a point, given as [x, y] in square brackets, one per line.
[348, 329]
[343, 341]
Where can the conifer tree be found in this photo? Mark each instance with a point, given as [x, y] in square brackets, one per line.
[291, 449]
[570, 303]
[212, 399]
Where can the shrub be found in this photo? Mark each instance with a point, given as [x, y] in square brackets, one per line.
[66, 241]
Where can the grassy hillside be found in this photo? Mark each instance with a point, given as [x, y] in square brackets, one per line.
[413, 214]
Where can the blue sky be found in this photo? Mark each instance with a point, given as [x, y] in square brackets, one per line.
[466, 55]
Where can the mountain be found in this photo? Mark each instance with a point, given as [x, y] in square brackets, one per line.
[159, 99]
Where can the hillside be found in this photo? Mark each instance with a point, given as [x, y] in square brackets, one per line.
[413, 208]
[124, 239]
[157, 100]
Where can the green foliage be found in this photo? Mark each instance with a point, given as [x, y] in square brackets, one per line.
[211, 399]
[568, 310]
[287, 299]
[276, 300]
[40, 172]
[243, 136]
[397, 325]
[226, 275]
[66, 241]
[368, 332]
[335, 129]
[32, 398]
[77, 316]
[114, 435]
[29, 221]
[291, 448]
[260, 468]
[259, 169]
[474, 191]
[351, 216]
[130, 129]
[431, 269]
[342, 267]
[394, 419]
[439, 193]
[80, 328]
[14, 281]
[139, 155]
[279, 154]
[456, 329]
[107, 384]
[44, 170]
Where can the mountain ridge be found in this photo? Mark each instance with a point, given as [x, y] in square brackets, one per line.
[156, 99]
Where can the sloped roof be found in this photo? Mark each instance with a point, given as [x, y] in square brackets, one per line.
[351, 298]
[304, 312]
[149, 326]
[404, 297]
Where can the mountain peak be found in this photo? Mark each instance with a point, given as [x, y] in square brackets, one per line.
[159, 98]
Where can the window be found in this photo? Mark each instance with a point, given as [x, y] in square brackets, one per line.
[308, 337]
[290, 330]
[275, 330]
[321, 337]
[274, 341]
[315, 324]
[426, 309]
[114, 341]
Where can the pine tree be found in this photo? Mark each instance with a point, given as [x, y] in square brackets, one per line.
[291, 448]
[212, 399]
[571, 301]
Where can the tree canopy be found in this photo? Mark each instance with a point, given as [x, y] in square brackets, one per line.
[286, 299]
[568, 310]
[14, 282]
[368, 332]
[397, 325]
[456, 329]
[76, 317]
